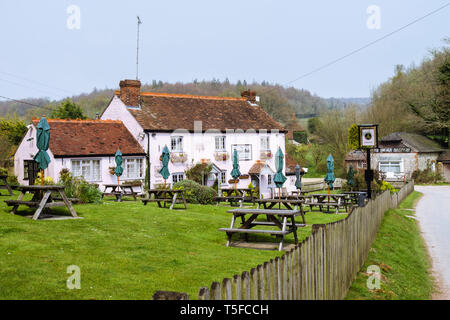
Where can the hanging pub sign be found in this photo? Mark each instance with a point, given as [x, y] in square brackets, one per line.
[368, 135]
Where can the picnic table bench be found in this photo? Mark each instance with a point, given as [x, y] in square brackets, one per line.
[242, 195]
[5, 185]
[162, 197]
[328, 200]
[277, 218]
[119, 190]
[287, 202]
[42, 199]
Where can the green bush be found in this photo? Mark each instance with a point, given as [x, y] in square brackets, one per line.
[12, 180]
[3, 172]
[426, 176]
[79, 188]
[195, 192]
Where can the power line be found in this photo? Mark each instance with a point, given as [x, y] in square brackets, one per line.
[36, 82]
[367, 45]
[28, 103]
[33, 88]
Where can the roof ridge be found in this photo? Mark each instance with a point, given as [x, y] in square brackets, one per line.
[80, 120]
[188, 96]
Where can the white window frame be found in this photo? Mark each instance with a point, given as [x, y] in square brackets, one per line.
[219, 143]
[176, 177]
[269, 180]
[265, 143]
[223, 177]
[176, 143]
[140, 169]
[87, 163]
[244, 155]
[391, 163]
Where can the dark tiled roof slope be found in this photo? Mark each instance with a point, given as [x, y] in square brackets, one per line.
[90, 138]
[415, 141]
[167, 112]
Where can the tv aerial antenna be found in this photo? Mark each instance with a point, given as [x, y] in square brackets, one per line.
[139, 22]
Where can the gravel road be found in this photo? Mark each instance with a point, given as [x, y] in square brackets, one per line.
[433, 212]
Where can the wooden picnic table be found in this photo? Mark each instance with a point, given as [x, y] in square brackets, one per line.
[162, 197]
[329, 200]
[5, 185]
[354, 195]
[119, 190]
[277, 218]
[43, 199]
[242, 195]
[288, 203]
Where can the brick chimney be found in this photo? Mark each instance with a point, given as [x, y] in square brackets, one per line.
[249, 95]
[130, 92]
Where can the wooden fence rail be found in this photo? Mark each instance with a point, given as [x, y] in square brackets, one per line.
[323, 266]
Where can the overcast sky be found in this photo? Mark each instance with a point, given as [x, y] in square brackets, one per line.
[44, 54]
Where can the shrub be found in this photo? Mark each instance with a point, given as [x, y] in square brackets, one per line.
[198, 171]
[12, 180]
[195, 192]
[426, 176]
[387, 186]
[3, 172]
[79, 188]
[47, 180]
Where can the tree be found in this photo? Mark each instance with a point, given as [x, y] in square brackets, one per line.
[13, 129]
[68, 110]
[353, 137]
[312, 125]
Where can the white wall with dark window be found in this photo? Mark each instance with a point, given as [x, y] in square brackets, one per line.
[176, 144]
[223, 177]
[176, 177]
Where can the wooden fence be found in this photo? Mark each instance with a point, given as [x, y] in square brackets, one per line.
[323, 266]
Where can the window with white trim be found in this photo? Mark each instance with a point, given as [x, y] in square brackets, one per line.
[134, 168]
[269, 179]
[390, 166]
[220, 143]
[89, 170]
[223, 177]
[265, 143]
[176, 177]
[176, 144]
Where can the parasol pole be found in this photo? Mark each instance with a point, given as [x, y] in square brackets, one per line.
[42, 177]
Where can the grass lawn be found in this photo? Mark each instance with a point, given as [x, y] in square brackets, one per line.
[401, 254]
[124, 250]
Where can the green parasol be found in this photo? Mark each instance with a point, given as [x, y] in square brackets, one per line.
[235, 173]
[118, 170]
[298, 176]
[279, 178]
[165, 157]
[42, 143]
[350, 175]
[329, 178]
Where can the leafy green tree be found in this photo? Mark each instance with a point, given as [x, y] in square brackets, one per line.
[68, 110]
[312, 125]
[13, 129]
[353, 137]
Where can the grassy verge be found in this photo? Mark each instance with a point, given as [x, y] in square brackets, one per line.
[124, 251]
[400, 252]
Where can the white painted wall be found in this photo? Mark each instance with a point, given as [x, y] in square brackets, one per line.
[27, 149]
[197, 146]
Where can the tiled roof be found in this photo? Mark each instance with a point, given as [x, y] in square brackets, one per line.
[167, 112]
[444, 156]
[256, 167]
[417, 142]
[90, 138]
[290, 166]
[355, 155]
